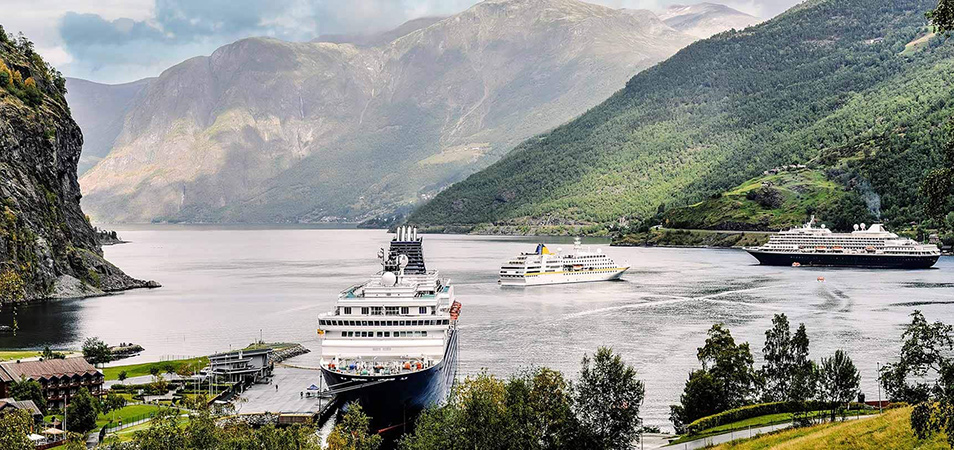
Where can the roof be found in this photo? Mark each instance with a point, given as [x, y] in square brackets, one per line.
[11, 371]
[27, 405]
[243, 353]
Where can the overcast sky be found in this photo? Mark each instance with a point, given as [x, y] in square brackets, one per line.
[115, 41]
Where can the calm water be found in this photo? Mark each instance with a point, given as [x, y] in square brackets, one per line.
[225, 287]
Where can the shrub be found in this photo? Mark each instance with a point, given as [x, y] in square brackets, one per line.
[761, 409]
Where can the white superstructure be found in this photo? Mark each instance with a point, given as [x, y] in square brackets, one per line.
[400, 321]
[544, 267]
[864, 240]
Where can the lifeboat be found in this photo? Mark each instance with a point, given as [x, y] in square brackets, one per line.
[796, 264]
[455, 310]
[407, 366]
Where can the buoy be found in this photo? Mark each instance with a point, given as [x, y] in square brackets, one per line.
[822, 279]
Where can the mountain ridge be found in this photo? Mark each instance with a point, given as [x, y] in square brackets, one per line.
[798, 87]
[270, 131]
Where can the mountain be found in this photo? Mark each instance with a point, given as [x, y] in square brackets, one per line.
[855, 89]
[270, 131]
[376, 39]
[45, 240]
[706, 19]
[99, 110]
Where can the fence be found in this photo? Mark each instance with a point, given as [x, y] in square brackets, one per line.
[132, 421]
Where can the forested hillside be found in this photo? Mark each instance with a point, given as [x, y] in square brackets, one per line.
[855, 89]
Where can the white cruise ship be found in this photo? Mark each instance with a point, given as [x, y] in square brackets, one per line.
[544, 267]
[866, 246]
[391, 343]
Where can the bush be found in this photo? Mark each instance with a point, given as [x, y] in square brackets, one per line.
[761, 409]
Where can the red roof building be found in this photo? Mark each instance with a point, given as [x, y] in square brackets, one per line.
[59, 378]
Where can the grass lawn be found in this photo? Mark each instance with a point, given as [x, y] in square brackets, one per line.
[755, 422]
[127, 413]
[889, 431]
[127, 434]
[13, 355]
[136, 370]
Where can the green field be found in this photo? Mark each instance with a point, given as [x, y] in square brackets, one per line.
[136, 370]
[126, 414]
[12, 355]
[889, 431]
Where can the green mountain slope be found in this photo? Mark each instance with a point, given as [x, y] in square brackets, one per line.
[832, 82]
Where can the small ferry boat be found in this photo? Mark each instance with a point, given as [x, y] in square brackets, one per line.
[866, 246]
[545, 267]
[391, 343]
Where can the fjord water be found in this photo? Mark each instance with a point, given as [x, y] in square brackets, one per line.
[224, 287]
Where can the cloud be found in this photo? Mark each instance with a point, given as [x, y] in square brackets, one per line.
[114, 40]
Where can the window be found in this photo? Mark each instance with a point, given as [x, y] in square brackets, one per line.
[390, 310]
[380, 334]
[422, 310]
[365, 310]
[387, 334]
[423, 334]
[344, 334]
[347, 310]
[377, 310]
[401, 323]
[405, 310]
[364, 323]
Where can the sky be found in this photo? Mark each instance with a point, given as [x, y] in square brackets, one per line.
[116, 41]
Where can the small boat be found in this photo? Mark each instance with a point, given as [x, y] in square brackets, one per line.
[821, 279]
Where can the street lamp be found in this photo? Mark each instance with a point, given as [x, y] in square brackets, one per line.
[880, 411]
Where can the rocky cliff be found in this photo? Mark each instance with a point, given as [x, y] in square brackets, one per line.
[45, 239]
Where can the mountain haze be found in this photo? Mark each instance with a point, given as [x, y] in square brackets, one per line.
[99, 110]
[854, 89]
[706, 19]
[271, 131]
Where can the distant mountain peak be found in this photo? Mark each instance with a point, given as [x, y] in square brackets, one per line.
[705, 19]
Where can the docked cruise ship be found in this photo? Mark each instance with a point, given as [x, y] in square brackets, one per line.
[871, 246]
[544, 267]
[391, 343]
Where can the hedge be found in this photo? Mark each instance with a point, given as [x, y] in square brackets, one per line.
[762, 409]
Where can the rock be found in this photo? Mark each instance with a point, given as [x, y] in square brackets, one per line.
[44, 236]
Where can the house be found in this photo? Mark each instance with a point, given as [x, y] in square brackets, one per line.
[9, 404]
[247, 366]
[59, 378]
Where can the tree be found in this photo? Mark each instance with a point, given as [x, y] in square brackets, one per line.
[778, 360]
[50, 354]
[804, 371]
[163, 432]
[122, 376]
[81, 412]
[838, 379]
[608, 397]
[112, 402]
[352, 433]
[6, 78]
[29, 390]
[15, 426]
[942, 16]
[96, 351]
[923, 358]
[33, 95]
[11, 287]
[727, 379]
[699, 399]
[937, 186]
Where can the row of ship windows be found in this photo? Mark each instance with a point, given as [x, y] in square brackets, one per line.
[383, 310]
[383, 323]
[387, 334]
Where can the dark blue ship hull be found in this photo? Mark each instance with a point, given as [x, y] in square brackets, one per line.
[395, 400]
[845, 260]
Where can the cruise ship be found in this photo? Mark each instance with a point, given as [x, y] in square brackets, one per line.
[545, 267]
[866, 246]
[391, 343]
